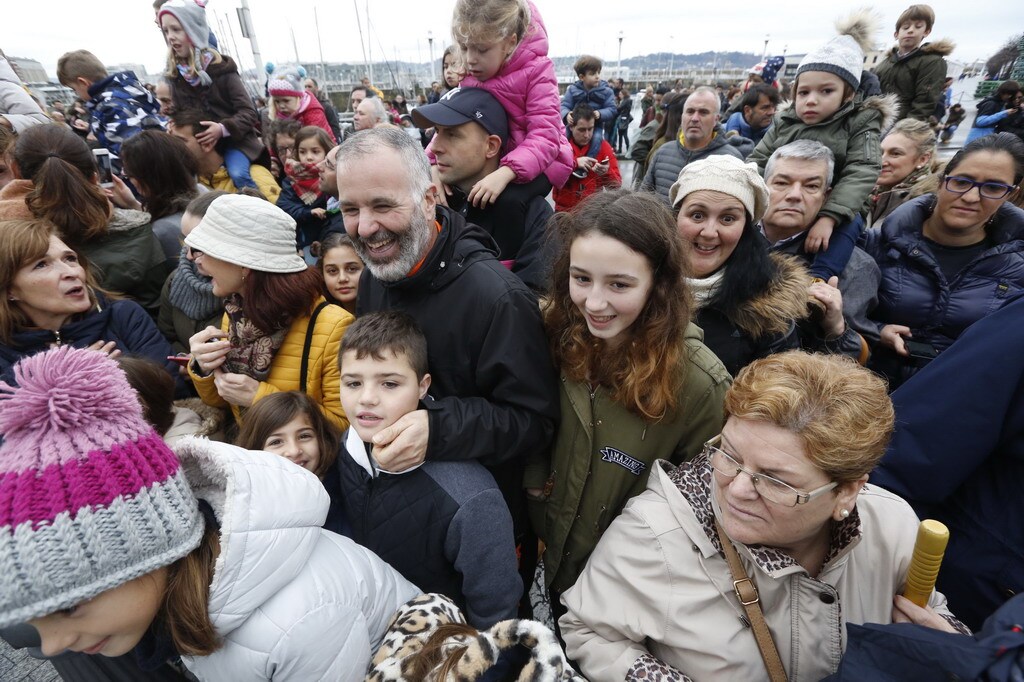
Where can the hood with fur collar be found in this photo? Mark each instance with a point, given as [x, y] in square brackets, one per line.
[782, 301]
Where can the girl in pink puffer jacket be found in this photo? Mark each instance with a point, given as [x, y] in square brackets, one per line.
[503, 46]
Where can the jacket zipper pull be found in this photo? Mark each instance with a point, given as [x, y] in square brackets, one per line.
[58, 340]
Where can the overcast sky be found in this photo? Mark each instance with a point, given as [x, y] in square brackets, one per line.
[123, 31]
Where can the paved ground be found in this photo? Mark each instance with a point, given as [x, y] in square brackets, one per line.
[18, 666]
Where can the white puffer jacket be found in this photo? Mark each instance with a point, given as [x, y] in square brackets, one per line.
[291, 600]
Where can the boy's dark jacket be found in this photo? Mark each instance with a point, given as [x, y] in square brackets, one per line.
[444, 526]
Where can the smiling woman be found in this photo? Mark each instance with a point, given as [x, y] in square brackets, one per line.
[637, 383]
[783, 490]
[949, 258]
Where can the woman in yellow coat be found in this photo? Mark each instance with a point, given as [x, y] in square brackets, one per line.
[265, 344]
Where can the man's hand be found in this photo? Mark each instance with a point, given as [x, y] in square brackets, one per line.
[832, 322]
[403, 444]
[601, 167]
[586, 163]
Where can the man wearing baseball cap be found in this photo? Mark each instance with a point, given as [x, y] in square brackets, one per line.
[471, 132]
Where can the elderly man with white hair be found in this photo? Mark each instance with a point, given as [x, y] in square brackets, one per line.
[369, 113]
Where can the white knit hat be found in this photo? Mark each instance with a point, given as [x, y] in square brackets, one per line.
[725, 174]
[844, 54]
[249, 232]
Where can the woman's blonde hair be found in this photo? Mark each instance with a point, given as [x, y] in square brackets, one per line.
[23, 242]
[488, 20]
[840, 410]
[921, 136]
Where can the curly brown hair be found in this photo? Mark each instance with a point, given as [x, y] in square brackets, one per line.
[642, 375]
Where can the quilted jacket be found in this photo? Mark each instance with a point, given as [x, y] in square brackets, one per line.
[444, 526]
[291, 601]
[914, 292]
[322, 380]
[528, 90]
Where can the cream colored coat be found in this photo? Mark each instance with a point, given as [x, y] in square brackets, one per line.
[657, 584]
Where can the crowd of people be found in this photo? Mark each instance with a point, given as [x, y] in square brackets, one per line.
[286, 399]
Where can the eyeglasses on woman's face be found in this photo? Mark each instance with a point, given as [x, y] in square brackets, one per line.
[768, 487]
[988, 189]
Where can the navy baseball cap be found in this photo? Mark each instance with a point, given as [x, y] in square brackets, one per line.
[462, 105]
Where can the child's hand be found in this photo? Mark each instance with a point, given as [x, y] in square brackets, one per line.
[819, 234]
[568, 119]
[490, 188]
[210, 134]
[443, 190]
[320, 213]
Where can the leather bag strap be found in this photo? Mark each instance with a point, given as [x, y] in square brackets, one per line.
[747, 594]
[304, 365]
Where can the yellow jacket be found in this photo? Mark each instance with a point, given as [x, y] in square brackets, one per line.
[323, 381]
[264, 180]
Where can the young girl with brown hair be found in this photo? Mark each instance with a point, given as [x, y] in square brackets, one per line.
[637, 382]
[291, 425]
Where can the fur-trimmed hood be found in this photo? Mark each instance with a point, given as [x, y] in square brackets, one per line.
[782, 302]
[942, 47]
[886, 105]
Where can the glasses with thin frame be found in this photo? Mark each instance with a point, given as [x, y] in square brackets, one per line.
[988, 189]
[768, 487]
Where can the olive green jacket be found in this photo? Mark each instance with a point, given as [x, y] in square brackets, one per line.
[853, 135]
[603, 453]
[917, 79]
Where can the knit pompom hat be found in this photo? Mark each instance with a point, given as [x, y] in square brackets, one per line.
[725, 174]
[844, 54]
[191, 14]
[249, 232]
[287, 83]
[90, 496]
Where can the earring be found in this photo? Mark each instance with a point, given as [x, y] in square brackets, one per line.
[845, 513]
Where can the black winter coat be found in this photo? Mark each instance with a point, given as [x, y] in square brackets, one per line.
[494, 386]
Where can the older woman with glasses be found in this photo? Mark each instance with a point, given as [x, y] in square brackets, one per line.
[949, 258]
[775, 515]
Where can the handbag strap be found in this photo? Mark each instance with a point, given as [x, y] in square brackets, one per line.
[304, 368]
[746, 592]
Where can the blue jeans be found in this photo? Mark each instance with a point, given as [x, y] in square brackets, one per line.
[238, 165]
[832, 261]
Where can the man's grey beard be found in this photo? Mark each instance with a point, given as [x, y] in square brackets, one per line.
[412, 247]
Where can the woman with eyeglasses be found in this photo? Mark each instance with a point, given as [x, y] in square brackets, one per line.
[949, 258]
[783, 489]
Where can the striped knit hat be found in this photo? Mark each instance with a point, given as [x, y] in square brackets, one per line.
[191, 14]
[90, 497]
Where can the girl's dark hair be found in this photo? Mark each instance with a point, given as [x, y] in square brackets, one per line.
[996, 142]
[271, 413]
[62, 167]
[165, 169]
[155, 389]
[309, 132]
[273, 300]
[642, 375]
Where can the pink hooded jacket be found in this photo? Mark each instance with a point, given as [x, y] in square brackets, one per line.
[528, 90]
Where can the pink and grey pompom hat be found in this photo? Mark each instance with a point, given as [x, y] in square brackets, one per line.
[90, 497]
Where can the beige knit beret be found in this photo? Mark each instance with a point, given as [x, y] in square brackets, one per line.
[725, 174]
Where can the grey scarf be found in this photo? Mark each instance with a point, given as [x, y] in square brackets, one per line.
[192, 293]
